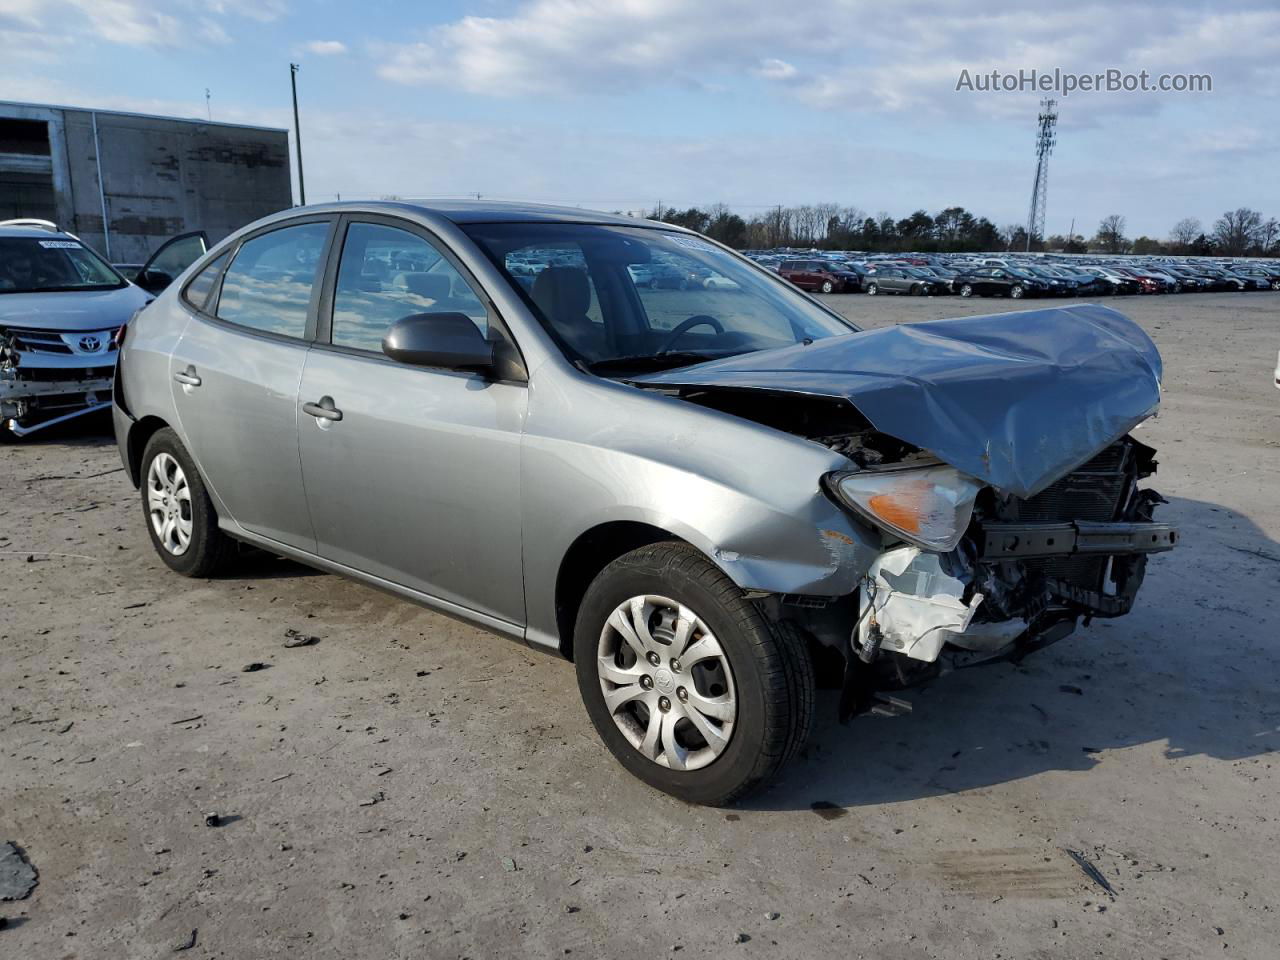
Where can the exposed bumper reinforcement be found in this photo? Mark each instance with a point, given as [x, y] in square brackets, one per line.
[1006, 541]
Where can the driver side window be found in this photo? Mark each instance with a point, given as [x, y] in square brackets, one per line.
[387, 274]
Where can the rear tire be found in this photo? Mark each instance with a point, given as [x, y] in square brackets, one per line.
[1016, 291]
[758, 682]
[966, 290]
[178, 512]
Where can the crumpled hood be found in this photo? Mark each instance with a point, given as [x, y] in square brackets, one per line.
[70, 310]
[1015, 399]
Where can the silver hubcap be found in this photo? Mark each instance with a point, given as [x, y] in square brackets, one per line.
[169, 503]
[666, 682]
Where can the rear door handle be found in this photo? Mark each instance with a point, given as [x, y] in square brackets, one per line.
[187, 377]
[324, 410]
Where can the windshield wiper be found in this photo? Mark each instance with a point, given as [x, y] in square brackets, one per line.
[649, 361]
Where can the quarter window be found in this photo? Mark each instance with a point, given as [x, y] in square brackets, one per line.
[198, 290]
[387, 274]
[268, 285]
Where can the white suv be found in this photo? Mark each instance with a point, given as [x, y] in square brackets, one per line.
[60, 307]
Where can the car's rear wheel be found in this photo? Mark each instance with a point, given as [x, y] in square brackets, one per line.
[966, 290]
[179, 514]
[690, 687]
[872, 289]
[1017, 291]
[827, 286]
[917, 290]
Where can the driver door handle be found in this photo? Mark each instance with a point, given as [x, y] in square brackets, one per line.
[187, 377]
[323, 410]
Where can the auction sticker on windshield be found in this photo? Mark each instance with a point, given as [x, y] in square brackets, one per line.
[59, 244]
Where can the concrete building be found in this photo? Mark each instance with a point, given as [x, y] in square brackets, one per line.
[125, 182]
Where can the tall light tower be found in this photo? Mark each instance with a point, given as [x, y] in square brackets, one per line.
[1045, 140]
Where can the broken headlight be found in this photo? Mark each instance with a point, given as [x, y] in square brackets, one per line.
[926, 506]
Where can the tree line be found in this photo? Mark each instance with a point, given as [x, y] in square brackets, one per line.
[829, 226]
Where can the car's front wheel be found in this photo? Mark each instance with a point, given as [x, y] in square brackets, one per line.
[687, 683]
[827, 286]
[966, 290]
[1017, 291]
[179, 514]
[872, 289]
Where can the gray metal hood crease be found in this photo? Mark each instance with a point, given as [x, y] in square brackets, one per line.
[1015, 399]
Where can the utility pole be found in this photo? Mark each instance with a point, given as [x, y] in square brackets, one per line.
[208, 108]
[297, 135]
[1045, 140]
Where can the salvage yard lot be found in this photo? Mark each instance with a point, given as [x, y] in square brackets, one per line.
[412, 787]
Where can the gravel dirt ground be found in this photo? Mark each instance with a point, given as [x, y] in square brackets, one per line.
[412, 787]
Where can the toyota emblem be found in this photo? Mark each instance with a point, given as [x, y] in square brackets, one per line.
[90, 344]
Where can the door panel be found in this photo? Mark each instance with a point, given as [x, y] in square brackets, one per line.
[235, 380]
[419, 481]
[173, 256]
[241, 425]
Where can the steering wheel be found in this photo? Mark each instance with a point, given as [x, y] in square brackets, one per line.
[685, 326]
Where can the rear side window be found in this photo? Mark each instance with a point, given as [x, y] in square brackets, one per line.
[268, 285]
[198, 290]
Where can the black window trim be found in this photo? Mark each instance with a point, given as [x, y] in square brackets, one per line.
[208, 312]
[323, 339]
[216, 287]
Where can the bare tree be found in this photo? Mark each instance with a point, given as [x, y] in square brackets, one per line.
[1184, 233]
[826, 213]
[1111, 234]
[807, 225]
[1013, 236]
[1269, 235]
[1237, 230]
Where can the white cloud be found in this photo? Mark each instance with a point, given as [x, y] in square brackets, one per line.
[588, 47]
[326, 48]
[132, 23]
[772, 68]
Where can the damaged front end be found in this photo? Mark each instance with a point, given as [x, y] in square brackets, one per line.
[993, 454]
[1022, 575]
[50, 376]
[1025, 571]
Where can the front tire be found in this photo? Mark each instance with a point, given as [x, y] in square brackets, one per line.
[1017, 292]
[689, 686]
[178, 512]
[872, 290]
[827, 286]
[966, 290]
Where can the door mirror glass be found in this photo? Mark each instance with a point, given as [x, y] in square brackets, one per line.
[450, 340]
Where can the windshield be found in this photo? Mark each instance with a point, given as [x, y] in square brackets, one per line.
[635, 298]
[36, 264]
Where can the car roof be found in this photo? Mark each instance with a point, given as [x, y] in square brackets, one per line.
[487, 211]
[38, 233]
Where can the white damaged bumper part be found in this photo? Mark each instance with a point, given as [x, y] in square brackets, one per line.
[910, 605]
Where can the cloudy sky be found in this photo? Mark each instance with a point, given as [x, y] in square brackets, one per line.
[620, 104]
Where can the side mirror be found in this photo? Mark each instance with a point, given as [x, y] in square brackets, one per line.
[450, 340]
[153, 281]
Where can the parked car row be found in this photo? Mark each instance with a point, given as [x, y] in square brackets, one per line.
[1017, 276]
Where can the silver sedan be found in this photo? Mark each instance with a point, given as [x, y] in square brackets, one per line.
[706, 496]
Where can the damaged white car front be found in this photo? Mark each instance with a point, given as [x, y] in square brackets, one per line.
[61, 306]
